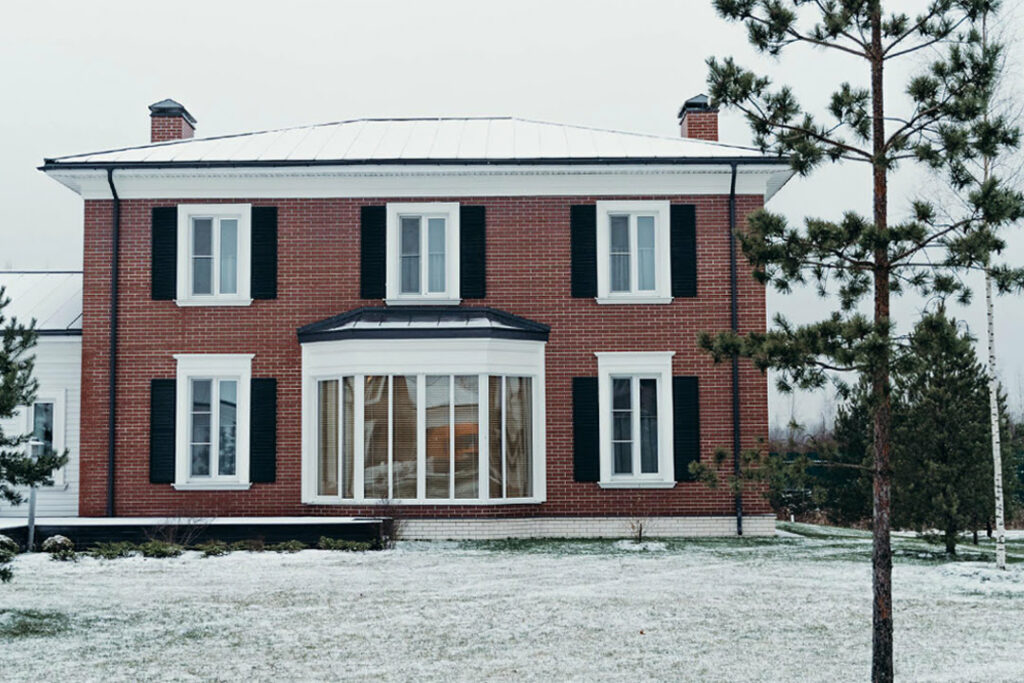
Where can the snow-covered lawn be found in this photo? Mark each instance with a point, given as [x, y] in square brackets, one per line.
[788, 608]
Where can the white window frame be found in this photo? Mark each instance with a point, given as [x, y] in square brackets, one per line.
[216, 367]
[655, 365]
[450, 212]
[662, 293]
[57, 399]
[421, 357]
[240, 212]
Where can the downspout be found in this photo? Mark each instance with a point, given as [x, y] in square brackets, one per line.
[734, 306]
[115, 239]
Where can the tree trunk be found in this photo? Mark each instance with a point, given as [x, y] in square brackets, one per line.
[881, 556]
[951, 540]
[975, 537]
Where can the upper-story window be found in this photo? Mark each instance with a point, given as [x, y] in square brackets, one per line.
[214, 254]
[423, 254]
[633, 257]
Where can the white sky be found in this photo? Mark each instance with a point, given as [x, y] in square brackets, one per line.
[76, 77]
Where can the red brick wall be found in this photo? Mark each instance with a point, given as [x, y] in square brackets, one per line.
[527, 274]
[702, 125]
[164, 128]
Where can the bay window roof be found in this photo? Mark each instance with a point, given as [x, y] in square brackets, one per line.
[424, 322]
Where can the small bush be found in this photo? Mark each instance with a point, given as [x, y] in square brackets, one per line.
[28, 623]
[64, 555]
[7, 543]
[255, 545]
[160, 549]
[338, 544]
[56, 543]
[112, 551]
[287, 547]
[6, 573]
[213, 548]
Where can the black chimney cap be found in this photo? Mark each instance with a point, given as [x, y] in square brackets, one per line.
[698, 103]
[169, 107]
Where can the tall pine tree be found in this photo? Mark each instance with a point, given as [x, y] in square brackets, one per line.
[864, 258]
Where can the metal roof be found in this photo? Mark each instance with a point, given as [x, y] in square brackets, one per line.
[423, 322]
[466, 140]
[53, 298]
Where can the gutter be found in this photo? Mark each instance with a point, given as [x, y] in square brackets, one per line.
[735, 323]
[112, 389]
[55, 164]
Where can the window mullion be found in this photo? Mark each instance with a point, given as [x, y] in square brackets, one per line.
[421, 436]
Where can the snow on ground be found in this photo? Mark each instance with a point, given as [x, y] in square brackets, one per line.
[794, 608]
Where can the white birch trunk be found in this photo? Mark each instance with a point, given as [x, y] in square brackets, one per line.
[997, 456]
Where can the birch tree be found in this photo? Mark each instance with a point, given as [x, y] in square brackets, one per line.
[861, 259]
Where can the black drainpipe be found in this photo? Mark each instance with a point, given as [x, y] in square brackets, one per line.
[112, 390]
[734, 296]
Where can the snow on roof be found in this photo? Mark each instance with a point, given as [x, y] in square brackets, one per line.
[53, 298]
[406, 140]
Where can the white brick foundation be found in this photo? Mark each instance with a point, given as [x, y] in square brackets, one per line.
[582, 527]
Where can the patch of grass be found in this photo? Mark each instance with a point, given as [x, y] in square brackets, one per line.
[113, 551]
[64, 555]
[213, 548]
[287, 547]
[160, 549]
[17, 623]
[253, 545]
[338, 544]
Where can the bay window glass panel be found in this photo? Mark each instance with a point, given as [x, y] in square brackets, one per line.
[648, 426]
[438, 426]
[228, 256]
[467, 436]
[622, 426]
[199, 439]
[619, 253]
[409, 260]
[645, 252]
[435, 249]
[375, 436]
[227, 427]
[518, 436]
[404, 441]
[494, 433]
[347, 438]
[327, 438]
[202, 256]
[42, 428]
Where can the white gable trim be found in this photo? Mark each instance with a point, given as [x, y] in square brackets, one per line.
[424, 181]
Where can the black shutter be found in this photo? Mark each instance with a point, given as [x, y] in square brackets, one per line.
[685, 425]
[263, 431]
[585, 439]
[161, 430]
[683, 240]
[472, 252]
[264, 252]
[373, 254]
[164, 262]
[583, 235]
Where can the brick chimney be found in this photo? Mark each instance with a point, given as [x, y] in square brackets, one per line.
[698, 119]
[169, 120]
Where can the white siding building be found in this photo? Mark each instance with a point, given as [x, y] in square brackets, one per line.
[54, 300]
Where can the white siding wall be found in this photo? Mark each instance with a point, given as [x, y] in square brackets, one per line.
[59, 371]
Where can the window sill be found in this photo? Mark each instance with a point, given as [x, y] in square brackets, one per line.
[377, 502]
[636, 484]
[213, 486]
[634, 299]
[423, 301]
[213, 301]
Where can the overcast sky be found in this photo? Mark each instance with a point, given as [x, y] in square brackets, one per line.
[77, 77]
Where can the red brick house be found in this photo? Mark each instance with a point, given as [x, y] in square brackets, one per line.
[486, 323]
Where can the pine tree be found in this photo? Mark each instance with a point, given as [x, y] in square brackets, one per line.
[858, 257]
[18, 389]
[941, 452]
